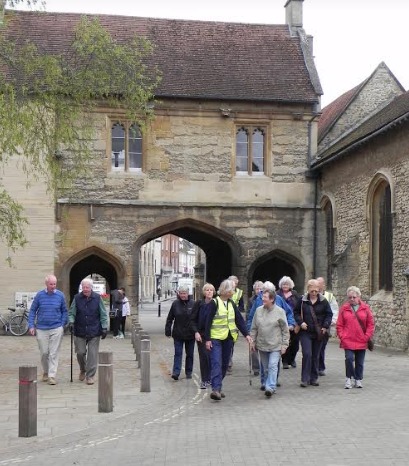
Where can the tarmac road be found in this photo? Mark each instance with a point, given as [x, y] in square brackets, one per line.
[177, 423]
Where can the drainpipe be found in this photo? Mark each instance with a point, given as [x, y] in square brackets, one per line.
[315, 176]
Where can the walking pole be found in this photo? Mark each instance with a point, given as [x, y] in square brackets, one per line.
[72, 337]
[250, 365]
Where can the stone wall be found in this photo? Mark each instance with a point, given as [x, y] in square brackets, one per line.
[348, 181]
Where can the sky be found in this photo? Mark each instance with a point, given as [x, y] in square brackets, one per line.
[351, 37]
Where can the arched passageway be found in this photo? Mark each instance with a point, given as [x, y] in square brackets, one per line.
[88, 262]
[274, 265]
[220, 248]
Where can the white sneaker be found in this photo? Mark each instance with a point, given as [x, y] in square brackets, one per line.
[348, 383]
[358, 383]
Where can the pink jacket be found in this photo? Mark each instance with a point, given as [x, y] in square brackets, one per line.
[350, 332]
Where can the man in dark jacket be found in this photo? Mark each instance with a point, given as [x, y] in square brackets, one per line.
[180, 315]
[89, 322]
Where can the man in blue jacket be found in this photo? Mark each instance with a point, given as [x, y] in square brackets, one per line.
[89, 322]
[47, 318]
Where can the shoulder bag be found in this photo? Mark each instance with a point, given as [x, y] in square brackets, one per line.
[371, 344]
[320, 335]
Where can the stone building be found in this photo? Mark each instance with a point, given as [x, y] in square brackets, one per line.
[361, 167]
[224, 164]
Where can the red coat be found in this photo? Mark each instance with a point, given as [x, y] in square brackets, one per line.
[350, 332]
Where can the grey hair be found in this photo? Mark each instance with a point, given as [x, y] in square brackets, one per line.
[257, 284]
[286, 281]
[89, 281]
[226, 286]
[354, 289]
[183, 289]
[267, 286]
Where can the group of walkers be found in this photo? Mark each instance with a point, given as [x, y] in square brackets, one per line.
[87, 320]
[278, 323]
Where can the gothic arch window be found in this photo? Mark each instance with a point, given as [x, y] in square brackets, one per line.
[330, 238]
[126, 147]
[381, 237]
[250, 150]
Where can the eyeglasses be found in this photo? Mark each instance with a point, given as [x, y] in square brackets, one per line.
[353, 297]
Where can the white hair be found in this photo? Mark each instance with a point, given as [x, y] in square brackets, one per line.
[89, 281]
[286, 281]
[268, 286]
[355, 290]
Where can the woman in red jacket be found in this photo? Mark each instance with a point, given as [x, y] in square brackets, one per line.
[355, 327]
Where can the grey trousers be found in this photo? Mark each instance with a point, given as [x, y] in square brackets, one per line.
[87, 355]
[49, 342]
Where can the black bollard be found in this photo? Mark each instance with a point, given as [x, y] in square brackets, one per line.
[159, 310]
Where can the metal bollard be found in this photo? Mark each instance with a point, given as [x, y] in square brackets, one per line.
[105, 383]
[27, 401]
[158, 309]
[145, 365]
[142, 336]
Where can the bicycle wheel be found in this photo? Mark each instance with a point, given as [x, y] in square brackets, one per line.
[18, 325]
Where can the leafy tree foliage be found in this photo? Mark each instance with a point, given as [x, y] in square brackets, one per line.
[47, 102]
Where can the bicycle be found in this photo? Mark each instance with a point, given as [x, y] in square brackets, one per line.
[17, 325]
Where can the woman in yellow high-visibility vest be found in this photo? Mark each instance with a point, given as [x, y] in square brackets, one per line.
[223, 324]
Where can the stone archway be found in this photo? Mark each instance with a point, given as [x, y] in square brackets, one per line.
[222, 249]
[93, 260]
[274, 265]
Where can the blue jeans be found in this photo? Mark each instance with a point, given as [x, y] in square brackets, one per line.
[177, 359]
[356, 372]
[219, 361]
[270, 361]
[311, 348]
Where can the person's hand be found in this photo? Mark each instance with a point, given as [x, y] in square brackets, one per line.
[283, 350]
[32, 331]
[323, 330]
[209, 345]
[290, 328]
[304, 326]
[253, 346]
[198, 337]
[104, 334]
[249, 339]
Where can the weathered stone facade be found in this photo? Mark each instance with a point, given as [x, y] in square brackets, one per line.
[189, 183]
[347, 181]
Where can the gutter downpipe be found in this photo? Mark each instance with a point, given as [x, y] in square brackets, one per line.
[315, 175]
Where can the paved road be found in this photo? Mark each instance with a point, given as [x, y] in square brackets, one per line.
[177, 423]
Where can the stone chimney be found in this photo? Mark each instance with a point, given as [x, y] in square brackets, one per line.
[293, 13]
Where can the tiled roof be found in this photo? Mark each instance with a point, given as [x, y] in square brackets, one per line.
[384, 120]
[208, 60]
[331, 113]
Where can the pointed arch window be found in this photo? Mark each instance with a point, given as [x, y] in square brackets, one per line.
[382, 238]
[250, 150]
[126, 147]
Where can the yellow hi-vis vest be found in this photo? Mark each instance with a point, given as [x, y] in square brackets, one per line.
[237, 296]
[224, 321]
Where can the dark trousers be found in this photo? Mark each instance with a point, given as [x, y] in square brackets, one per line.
[116, 322]
[204, 360]
[293, 347]
[310, 347]
[122, 326]
[321, 361]
[219, 361]
[354, 370]
[177, 359]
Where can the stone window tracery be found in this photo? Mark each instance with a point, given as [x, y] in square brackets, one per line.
[126, 147]
[250, 150]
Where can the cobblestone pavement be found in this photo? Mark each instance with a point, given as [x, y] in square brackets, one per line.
[177, 423]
